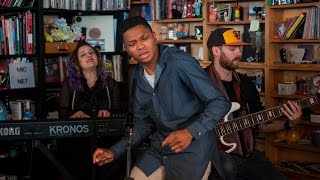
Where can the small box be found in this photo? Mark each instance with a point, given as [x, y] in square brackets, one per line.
[60, 47]
[287, 88]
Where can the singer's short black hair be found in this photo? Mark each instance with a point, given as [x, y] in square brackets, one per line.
[133, 22]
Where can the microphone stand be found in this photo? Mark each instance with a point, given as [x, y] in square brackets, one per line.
[129, 130]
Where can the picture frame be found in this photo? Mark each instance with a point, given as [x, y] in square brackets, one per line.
[198, 32]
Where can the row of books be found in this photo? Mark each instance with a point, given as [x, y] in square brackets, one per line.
[280, 2]
[304, 26]
[312, 24]
[17, 33]
[16, 3]
[55, 69]
[113, 67]
[22, 109]
[87, 5]
[175, 9]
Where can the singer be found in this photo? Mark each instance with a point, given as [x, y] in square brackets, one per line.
[175, 104]
[85, 93]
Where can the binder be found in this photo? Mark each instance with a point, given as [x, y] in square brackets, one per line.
[299, 21]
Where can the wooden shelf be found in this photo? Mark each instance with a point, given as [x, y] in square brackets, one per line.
[251, 65]
[179, 20]
[139, 2]
[288, 96]
[295, 67]
[294, 6]
[305, 122]
[233, 0]
[179, 41]
[295, 41]
[302, 147]
[233, 22]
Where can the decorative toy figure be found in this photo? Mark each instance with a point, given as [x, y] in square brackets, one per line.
[3, 112]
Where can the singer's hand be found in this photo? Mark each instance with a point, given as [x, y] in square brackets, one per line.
[102, 156]
[79, 114]
[103, 113]
[178, 140]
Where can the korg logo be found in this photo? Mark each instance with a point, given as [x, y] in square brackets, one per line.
[10, 131]
[68, 129]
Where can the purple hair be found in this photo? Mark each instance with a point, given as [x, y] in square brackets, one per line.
[75, 73]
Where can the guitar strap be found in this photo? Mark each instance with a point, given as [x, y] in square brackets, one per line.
[245, 134]
[243, 138]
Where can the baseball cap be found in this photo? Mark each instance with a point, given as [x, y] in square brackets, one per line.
[225, 37]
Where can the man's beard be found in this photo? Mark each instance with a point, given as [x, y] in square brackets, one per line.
[228, 65]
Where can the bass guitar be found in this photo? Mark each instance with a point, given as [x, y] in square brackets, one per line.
[230, 126]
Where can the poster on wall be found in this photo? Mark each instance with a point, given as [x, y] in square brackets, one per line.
[99, 31]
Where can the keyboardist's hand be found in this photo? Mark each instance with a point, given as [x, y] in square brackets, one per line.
[103, 113]
[79, 114]
[102, 156]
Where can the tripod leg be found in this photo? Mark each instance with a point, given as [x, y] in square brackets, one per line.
[51, 158]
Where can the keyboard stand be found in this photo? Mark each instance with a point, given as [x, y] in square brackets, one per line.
[51, 158]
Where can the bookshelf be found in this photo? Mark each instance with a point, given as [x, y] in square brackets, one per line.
[193, 45]
[18, 44]
[277, 72]
[15, 155]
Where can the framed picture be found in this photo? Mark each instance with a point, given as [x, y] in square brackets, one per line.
[198, 32]
[223, 12]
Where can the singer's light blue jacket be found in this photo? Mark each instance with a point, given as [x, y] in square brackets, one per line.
[183, 98]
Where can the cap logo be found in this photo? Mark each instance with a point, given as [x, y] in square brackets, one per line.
[231, 36]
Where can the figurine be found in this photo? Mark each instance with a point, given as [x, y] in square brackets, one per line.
[3, 112]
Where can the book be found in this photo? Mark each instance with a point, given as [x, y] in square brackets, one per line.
[308, 56]
[29, 32]
[52, 72]
[144, 11]
[298, 33]
[298, 22]
[17, 110]
[288, 25]
[108, 67]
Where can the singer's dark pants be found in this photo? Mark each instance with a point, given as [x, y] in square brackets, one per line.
[254, 167]
[76, 155]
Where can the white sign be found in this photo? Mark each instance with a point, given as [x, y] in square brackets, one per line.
[21, 75]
